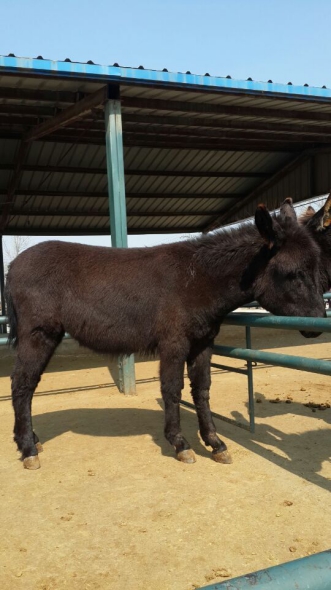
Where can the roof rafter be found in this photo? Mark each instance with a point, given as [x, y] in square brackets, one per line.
[217, 109]
[228, 123]
[73, 231]
[94, 130]
[14, 181]
[69, 115]
[54, 96]
[104, 195]
[132, 140]
[137, 172]
[29, 115]
[281, 172]
[105, 213]
[212, 133]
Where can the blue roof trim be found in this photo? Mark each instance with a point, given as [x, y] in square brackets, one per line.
[142, 76]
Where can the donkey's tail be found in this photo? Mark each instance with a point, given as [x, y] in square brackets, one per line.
[12, 318]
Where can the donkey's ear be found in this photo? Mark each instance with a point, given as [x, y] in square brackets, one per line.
[287, 210]
[322, 219]
[305, 217]
[268, 227]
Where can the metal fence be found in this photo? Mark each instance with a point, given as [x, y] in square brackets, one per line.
[265, 320]
[307, 573]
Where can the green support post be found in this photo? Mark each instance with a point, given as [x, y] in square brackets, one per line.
[117, 209]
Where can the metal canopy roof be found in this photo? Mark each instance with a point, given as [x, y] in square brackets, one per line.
[199, 151]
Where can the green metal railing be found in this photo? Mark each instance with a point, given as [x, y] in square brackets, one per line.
[265, 320]
[307, 573]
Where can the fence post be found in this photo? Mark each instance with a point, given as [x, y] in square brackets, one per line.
[117, 209]
[250, 384]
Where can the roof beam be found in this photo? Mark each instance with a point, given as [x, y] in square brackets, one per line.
[105, 213]
[14, 181]
[80, 109]
[53, 96]
[25, 113]
[137, 172]
[25, 109]
[169, 131]
[211, 134]
[173, 141]
[169, 128]
[73, 231]
[276, 177]
[87, 138]
[63, 96]
[96, 195]
[227, 123]
[217, 109]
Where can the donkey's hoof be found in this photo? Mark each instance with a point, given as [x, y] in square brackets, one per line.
[39, 447]
[187, 456]
[31, 462]
[222, 457]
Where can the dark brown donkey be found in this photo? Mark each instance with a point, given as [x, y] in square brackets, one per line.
[319, 225]
[168, 299]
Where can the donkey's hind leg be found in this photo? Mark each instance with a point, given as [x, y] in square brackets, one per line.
[198, 366]
[33, 354]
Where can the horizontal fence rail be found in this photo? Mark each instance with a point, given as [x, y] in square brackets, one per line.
[265, 320]
[308, 573]
[273, 358]
[326, 296]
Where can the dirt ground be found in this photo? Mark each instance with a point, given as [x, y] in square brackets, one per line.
[111, 508]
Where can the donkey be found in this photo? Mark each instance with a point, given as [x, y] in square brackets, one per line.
[168, 299]
[318, 224]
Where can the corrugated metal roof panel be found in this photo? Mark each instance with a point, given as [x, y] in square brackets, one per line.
[66, 70]
[187, 158]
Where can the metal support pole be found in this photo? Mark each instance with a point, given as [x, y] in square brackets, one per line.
[250, 383]
[2, 286]
[117, 210]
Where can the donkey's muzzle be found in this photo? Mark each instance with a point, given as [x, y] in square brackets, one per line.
[310, 334]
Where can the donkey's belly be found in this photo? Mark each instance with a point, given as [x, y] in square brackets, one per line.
[114, 336]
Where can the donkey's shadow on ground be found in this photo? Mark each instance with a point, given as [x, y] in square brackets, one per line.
[302, 454]
[116, 422]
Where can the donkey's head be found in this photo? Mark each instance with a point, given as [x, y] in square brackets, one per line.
[318, 223]
[290, 282]
[319, 226]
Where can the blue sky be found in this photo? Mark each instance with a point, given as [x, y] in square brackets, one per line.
[281, 40]
[264, 39]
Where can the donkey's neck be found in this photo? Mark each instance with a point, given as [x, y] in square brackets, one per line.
[327, 272]
[230, 260]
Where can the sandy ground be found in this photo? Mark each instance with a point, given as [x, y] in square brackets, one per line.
[111, 508]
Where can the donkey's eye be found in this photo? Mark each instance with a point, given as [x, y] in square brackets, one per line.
[300, 275]
[291, 276]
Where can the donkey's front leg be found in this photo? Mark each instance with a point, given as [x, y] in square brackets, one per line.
[172, 383]
[198, 366]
